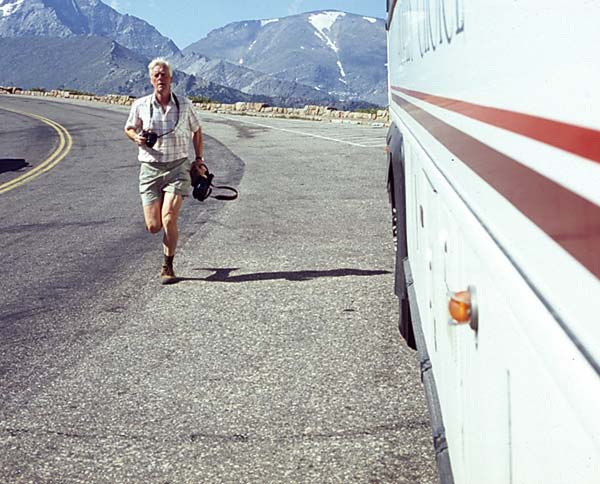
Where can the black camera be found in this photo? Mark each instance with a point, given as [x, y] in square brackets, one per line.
[151, 138]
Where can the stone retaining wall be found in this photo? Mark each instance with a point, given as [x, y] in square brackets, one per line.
[314, 113]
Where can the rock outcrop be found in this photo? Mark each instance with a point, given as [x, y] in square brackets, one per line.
[309, 112]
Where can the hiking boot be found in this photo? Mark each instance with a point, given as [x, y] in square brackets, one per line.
[167, 274]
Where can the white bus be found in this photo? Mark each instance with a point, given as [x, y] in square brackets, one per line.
[494, 180]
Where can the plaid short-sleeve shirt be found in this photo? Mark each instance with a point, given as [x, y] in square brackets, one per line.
[176, 123]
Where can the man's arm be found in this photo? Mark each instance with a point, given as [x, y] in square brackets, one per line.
[199, 149]
[133, 125]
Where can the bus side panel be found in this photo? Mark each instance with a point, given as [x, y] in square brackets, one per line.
[507, 414]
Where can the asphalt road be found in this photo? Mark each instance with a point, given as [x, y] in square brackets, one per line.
[276, 358]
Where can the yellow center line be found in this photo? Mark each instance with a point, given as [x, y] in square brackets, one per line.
[64, 146]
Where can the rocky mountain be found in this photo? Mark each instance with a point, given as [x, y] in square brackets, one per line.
[94, 64]
[341, 54]
[249, 81]
[66, 18]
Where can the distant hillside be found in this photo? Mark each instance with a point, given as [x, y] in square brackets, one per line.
[65, 18]
[96, 65]
[340, 54]
[252, 82]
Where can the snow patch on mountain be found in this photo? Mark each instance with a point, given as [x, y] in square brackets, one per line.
[267, 22]
[7, 7]
[328, 41]
[370, 20]
[324, 21]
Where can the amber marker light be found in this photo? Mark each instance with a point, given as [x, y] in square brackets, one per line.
[462, 306]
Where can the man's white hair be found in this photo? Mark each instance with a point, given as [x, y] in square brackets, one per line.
[159, 61]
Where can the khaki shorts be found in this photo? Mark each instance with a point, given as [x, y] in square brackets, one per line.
[172, 177]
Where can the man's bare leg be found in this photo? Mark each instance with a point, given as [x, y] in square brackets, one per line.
[160, 215]
[170, 213]
[152, 216]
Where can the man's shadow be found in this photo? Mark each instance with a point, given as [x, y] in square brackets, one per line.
[225, 275]
[12, 164]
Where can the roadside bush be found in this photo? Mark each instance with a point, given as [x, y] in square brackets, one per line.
[201, 99]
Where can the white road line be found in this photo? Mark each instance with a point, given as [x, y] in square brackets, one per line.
[363, 138]
[293, 131]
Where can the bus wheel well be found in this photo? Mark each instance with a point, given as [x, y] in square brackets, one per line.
[397, 197]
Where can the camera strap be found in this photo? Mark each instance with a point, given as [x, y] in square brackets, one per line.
[176, 122]
[221, 196]
[203, 187]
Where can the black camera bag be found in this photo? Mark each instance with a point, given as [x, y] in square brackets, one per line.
[203, 186]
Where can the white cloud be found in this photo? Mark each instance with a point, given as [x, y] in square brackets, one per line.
[294, 7]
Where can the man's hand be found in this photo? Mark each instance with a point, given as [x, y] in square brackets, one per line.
[201, 167]
[138, 139]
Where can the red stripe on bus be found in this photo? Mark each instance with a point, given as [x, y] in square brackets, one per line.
[578, 140]
[569, 219]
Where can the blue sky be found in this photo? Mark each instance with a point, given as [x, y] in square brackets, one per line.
[186, 21]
